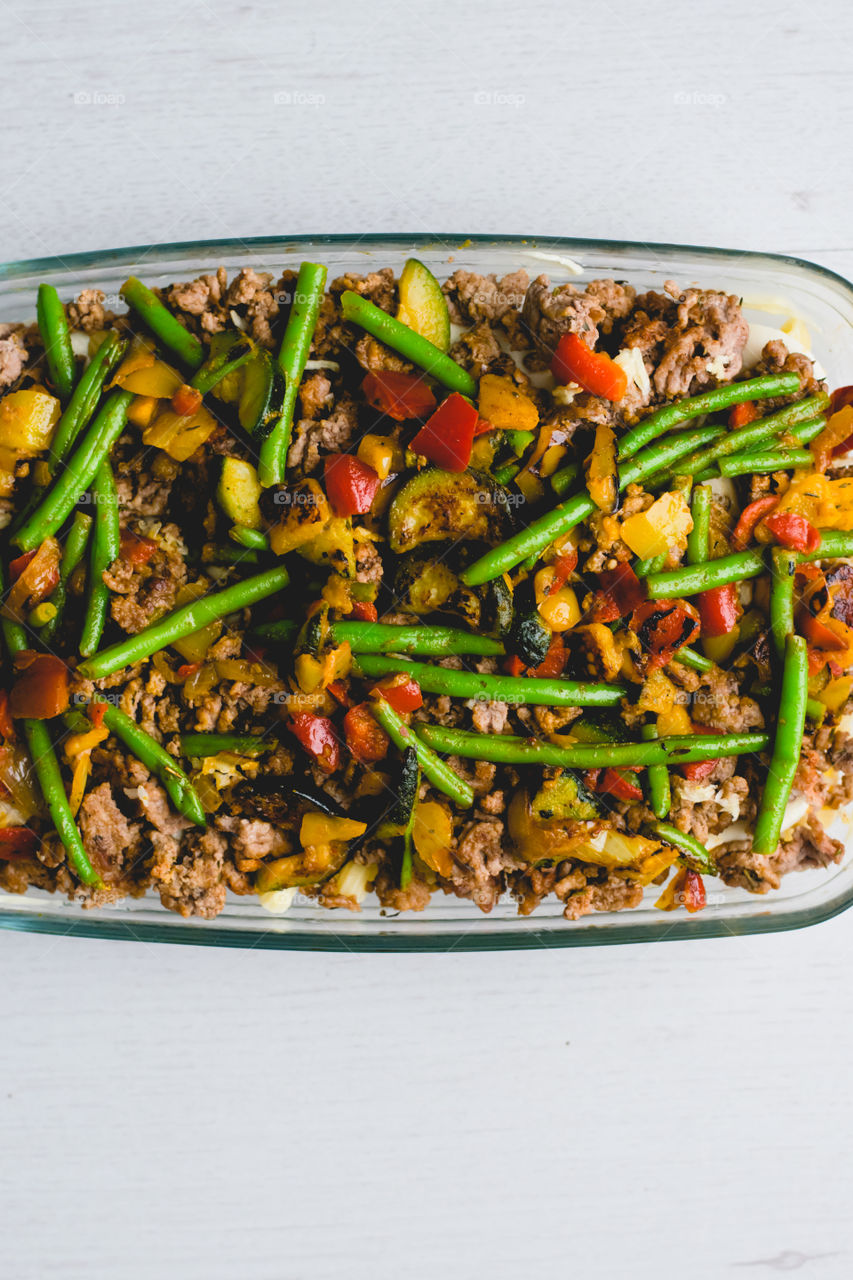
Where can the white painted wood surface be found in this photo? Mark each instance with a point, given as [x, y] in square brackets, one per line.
[668, 1111]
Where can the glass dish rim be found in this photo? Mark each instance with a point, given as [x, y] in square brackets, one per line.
[202, 933]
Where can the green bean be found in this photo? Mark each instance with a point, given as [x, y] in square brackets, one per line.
[106, 542]
[697, 856]
[695, 578]
[691, 658]
[470, 684]
[834, 545]
[75, 479]
[511, 749]
[439, 774]
[72, 554]
[790, 725]
[699, 538]
[816, 710]
[657, 776]
[84, 399]
[252, 538]
[217, 367]
[650, 564]
[749, 464]
[46, 769]
[426, 641]
[159, 319]
[182, 622]
[181, 791]
[747, 438]
[507, 472]
[562, 480]
[807, 431]
[412, 346]
[231, 555]
[295, 346]
[282, 631]
[200, 745]
[570, 513]
[56, 336]
[784, 566]
[671, 415]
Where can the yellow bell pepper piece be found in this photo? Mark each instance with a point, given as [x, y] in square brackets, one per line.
[836, 692]
[142, 410]
[180, 435]
[382, 454]
[657, 695]
[27, 421]
[506, 405]
[322, 828]
[560, 611]
[665, 525]
[673, 721]
[432, 836]
[718, 648]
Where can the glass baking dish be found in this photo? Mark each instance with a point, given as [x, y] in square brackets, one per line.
[773, 288]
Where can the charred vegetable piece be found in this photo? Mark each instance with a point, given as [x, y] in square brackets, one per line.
[313, 865]
[437, 505]
[424, 583]
[565, 798]
[602, 472]
[261, 396]
[422, 306]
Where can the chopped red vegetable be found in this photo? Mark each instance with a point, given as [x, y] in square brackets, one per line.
[513, 665]
[742, 414]
[818, 635]
[793, 531]
[366, 739]
[186, 401]
[564, 566]
[483, 427]
[554, 661]
[134, 549]
[618, 783]
[317, 735]
[699, 770]
[663, 627]
[620, 593]
[338, 690]
[693, 891]
[350, 484]
[7, 729]
[401, 693]
[187, 669]
[97, 711]
[448, 436]
[17, 566]
[574, 361]
[17, 842]
[399, 395]
[719, 610]
[40, 691]
[363, 611]
[749, 518]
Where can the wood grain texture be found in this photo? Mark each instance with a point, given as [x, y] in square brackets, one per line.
[647, 1112]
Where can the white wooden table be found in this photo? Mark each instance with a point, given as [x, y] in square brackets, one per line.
[668, 1111]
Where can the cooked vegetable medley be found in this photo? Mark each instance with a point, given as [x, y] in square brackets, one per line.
[389, 585]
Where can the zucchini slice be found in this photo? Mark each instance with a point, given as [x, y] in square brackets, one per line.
[228, 353]
[565, 798]
[262, 396]
[423, 307]
[311, 866]
[239, 492]
[435, 506]
[424, 583]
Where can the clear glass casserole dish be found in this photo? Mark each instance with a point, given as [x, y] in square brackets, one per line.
[773, 287]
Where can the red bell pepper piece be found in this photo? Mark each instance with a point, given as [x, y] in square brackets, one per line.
[399, 395]
[513, 666]
[693, 891]
[363, 611]
[17, 842]
[401, 693]
[554, 661]
[7, 728]
[366, 739]
[96, 712]
[483, 426]
[338, 690]
[719, 610]
[317, 735]
[41, 690]
[350, 484]
[448, 436]
[616, 782]
[620, 593]
[749, 518]
[17, 567]
[574, 361]
[564, 567]
[742, 414]
[134, 549]
[793, 531]
[663, 627]
[818, 635]
[698, 770]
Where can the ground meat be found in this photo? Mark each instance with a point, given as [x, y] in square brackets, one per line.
[472, 297]
[13, 354]
[615, 298]
[812, 778]
[313, 440]
[775, 358]
[615, 894]
[315, 396]
[718, 703]
[375, 357]
[479, 351]
[379, 286]
[808, 845]
[203, 299]
[368, 562]
[143, 592]
[489, 717]
[480, 853]
[110, 840]
[252, 840]
[88, 312]
[250, 289]
[688, 342]
[415, 897]
[144, 491]
[195, 882]
[548, 314]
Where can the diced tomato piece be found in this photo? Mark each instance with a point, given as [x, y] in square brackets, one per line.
[134, 549]
[401, 693]
[363, 611]
[719, 610]
[742, 414]
[350, 484]
[793, 531]
[749, 518]
[317, 735]
[7, 729]
[186, 400]
[618, 783]
[574, 361]
[663, 627]
[17, 842]
[448, 436]
[399, 395]
[366, 739]
[620, 593]
[693, 892]
[17, 567]
[40, 691]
